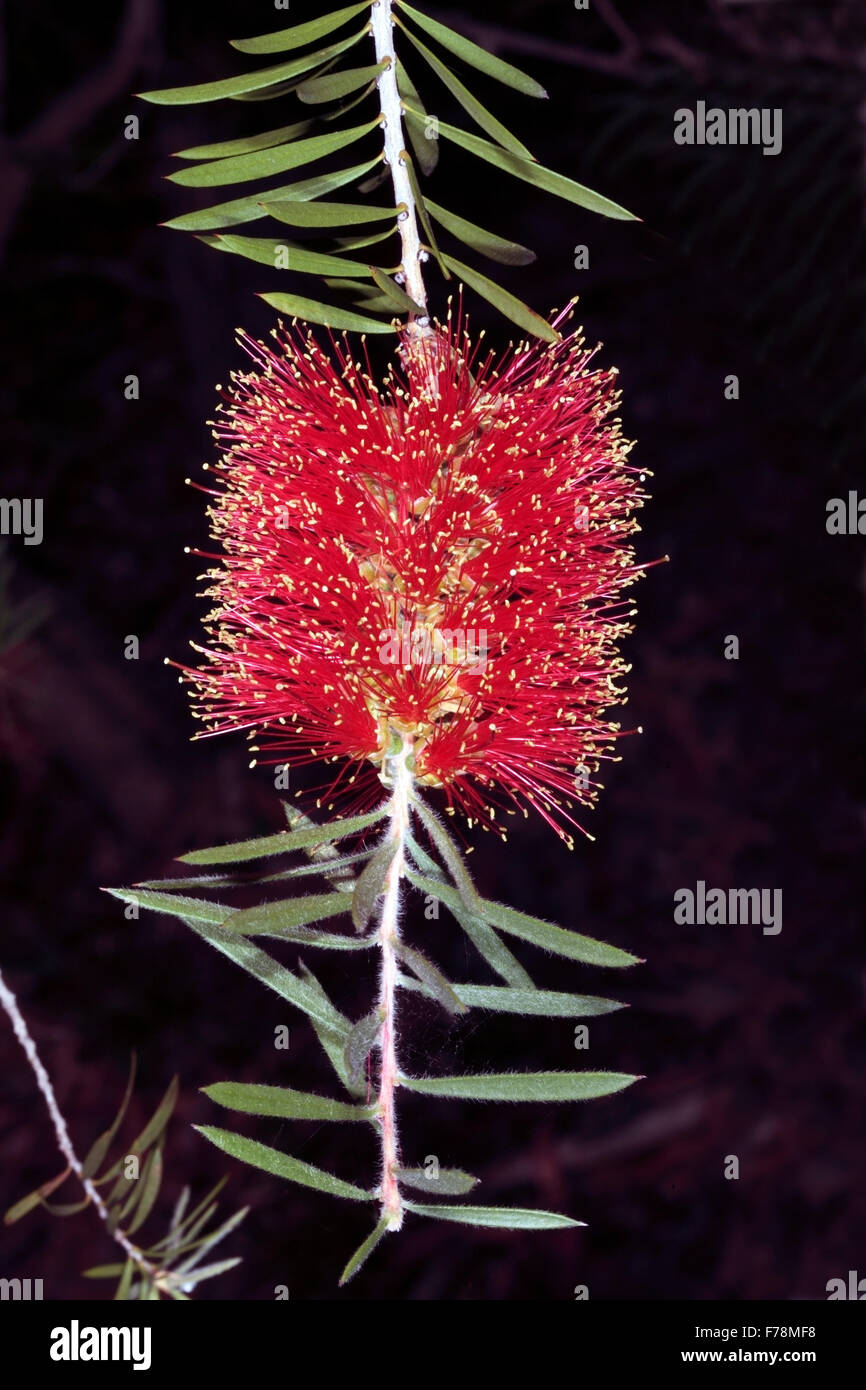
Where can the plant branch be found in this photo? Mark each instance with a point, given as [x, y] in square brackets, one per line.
[64, 1143]
[389, 931]
[389, 104]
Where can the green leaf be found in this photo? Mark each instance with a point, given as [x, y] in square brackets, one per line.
[339, 84]
[556, 939]
[475, 56]
[284, 917]
[311, 311]
[480, 933]
[265, 250]
[174, 904]
[262, 164]
[487, 243]
[148, 1184]
[156, 1125]
[506, 303]
[424, 215]
[282, 1102]
[332, 1039]
[247, 143]
[536, 174]
[426, 149]
[249, 81]
[281, 1165]
[35, 1199]
[251, 208]
[392, 291]
[451, 1182]
[471, 104]
[122, 1291]
[451, 855]
[95, 1156]
[359, 1044]
[434, 980]
[364, 1251]
[263, 967]
[307, 214]
[298, 34]
[542, 1002]
[209, 1271]
[371, 883]
[355, 244]
[285, 841]
[502, 1218]
[534, 1086]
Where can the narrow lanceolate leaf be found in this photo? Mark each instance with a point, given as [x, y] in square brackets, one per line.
[507, 304]
[427, 973]
[285, 841]
[34, 1199]
[556, 939]
[535, 1086]
[332, 1039]
[282, 1102]
[93, 1162]
[281, 1165]
[263, 967]
[536, 174]
[280, 255]
[485, 940]
[424, 215]
[359, 1044]
[262, 164]
[471, 104]
[299, 34]
[237, 211]
[148, 1187]
[355, 243]
[283, 918]
[338, 84]
[371, 883]
[502, 1218]
[249, 81]
[247, 143]
[392, 292]
[307, 214]
[545, 1003]
[450, 1182]
[475, 56]
[451, 855]
[311, 311]
[495, 247]
[174, 904]
[364, 1251]
[426, 149]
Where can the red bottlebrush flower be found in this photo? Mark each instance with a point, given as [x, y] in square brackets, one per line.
[439, 559]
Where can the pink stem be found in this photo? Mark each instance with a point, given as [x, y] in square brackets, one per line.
[389, 931]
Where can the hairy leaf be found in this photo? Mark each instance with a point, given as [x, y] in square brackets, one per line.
[360, 1043]
[502, 1218]
[285, 841]
[282, 1102]
[364, 1251]
[435, 981]
[480, 933]
[535, 1086]
[371, 883]
[450, 854]
[553, 938]
[451, 1182]
[281, 1165]
[174, 904]
[283, 918]
[542, 1002]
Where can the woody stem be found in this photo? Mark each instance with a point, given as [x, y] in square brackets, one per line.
[389, 932]
[382, 23]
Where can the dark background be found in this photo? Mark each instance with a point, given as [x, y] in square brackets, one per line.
[747, 771]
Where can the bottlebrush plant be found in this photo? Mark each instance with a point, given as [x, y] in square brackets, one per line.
[422, 586]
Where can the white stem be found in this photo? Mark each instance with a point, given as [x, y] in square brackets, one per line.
[43, 1081]
[389, 933]
[389, 104]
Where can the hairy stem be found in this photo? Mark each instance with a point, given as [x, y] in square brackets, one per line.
[64, 1143]
[389, 931]
[389, 104]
